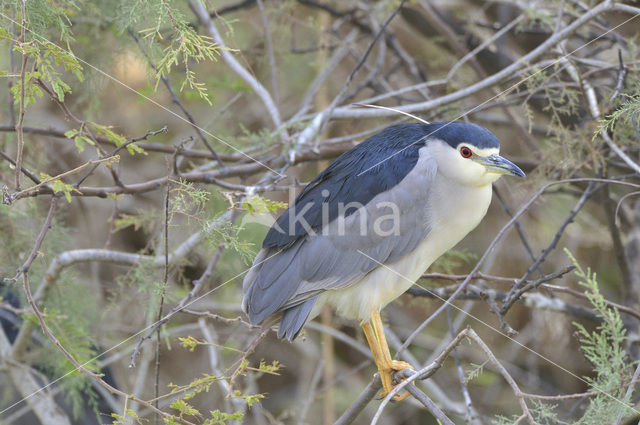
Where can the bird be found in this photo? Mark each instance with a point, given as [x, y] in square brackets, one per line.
[366, 228]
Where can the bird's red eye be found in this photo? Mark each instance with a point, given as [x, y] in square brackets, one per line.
[465, 152]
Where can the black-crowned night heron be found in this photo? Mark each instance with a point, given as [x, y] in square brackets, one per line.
[365, 229]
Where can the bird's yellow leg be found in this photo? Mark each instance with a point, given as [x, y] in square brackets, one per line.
[378, 357]
[377, 354]
[386, 364]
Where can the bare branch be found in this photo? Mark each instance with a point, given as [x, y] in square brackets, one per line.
[348, 112]
[205, 20]
[23, 71]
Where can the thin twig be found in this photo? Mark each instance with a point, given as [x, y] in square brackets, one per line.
[472, 415]
[26, 172]
[205, 20]
[197, 286]
[494, 242]
[165, 280]
[148, 134]
[272, 59]
[515, 292]
[622, 73]
[23, 71]
[42, 183]
[361, 402]
[219, 318]
[36, 247]
[532, 56]
[81, 367]
[429, 404]
[176, 100]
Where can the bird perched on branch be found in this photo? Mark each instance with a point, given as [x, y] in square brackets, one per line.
[365, 229]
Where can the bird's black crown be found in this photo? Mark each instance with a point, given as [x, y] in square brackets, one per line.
[455, 133]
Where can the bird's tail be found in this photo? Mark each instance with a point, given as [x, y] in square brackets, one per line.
[294, 318]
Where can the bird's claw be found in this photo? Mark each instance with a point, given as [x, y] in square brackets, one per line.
[389, 382]
[397, 365]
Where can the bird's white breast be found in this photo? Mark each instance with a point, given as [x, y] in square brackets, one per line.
[456, 209]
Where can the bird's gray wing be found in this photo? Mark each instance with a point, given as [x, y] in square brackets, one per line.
[388, 227]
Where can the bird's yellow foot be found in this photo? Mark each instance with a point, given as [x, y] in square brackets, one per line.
[388, 383]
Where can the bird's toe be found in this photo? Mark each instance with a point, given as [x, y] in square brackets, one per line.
[398, 365]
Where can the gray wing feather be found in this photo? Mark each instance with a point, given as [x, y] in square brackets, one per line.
[294, 318]
[333, 259]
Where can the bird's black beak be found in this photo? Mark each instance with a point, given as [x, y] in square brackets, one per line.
[497, 164]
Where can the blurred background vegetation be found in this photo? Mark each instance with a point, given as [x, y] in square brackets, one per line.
[183, 127]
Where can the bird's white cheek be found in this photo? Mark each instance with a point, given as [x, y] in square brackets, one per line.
[467, 172]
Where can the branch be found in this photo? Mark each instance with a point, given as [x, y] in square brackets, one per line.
[423, 373]
[244, 170]
[23, 71]
[542, 49]
[361, 402]
[151, 147]
[205, 20]
[26, 172]
[515, 292]
[42, 184]
[176, 100]
[429, 404]
[319, 122]
[68, 258]
[495, 240]
[81, 367]
[430, 369]
[118, 149]
[197, 286]
[36, 248]
[269, 42]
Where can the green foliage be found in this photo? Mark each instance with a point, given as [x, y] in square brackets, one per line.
[545, 414]
[192, 202]
[70, 312]
[115, 138]
[475, 371]
[203, 384]
[503, 420]
[228, 233]
[272, 368]
[44, 16]
[58, 186]
[183, 46]
[604, 349]
[188, 200]
[195, 387]
[189, 342]
[47, 60]
[130, 418]
[619, 122]
[79, 139]
[221, 418]
[258, 205]
[184, 408]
